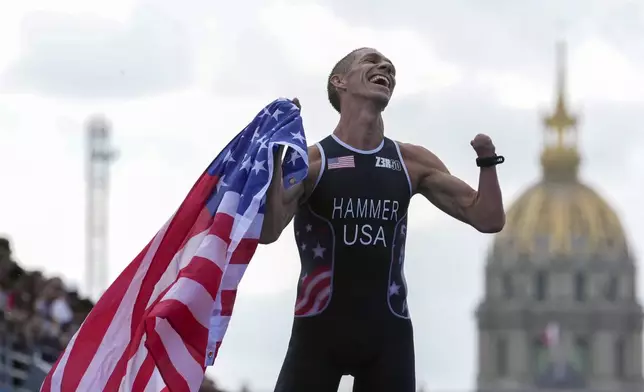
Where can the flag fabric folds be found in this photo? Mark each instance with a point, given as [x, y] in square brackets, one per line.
[162, 321]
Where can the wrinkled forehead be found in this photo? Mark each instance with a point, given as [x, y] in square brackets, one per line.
[369, 53]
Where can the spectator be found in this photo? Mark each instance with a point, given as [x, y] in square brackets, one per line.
[53, 303]
[5, 250]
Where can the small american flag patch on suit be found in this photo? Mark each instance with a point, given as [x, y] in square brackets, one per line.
[341, 162]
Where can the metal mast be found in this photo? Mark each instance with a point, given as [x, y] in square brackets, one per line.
[100, 155]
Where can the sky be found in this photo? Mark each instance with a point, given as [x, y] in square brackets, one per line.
[178, 82]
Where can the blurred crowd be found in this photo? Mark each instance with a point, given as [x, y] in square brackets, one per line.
[38, 314]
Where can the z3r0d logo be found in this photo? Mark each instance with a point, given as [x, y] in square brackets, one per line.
[387, 163]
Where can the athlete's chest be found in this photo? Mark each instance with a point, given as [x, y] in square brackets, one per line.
[359, 186]
[361, 213]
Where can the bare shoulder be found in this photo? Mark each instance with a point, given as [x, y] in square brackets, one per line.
[314, 153]
[420, 160]
[421, 164]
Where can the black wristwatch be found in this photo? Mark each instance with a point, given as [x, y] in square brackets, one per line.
[490, 161]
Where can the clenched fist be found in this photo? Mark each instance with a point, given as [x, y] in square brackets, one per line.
[483, 146]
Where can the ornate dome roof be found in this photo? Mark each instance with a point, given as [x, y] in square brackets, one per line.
[563, 218]
[560, 215]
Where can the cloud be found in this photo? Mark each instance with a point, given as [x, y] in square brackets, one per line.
[512, 40]
[91, 57]
[304, 40]
[13, 14]
[496, 35]
[608, 74]
[596, 71]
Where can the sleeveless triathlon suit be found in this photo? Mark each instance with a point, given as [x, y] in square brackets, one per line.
[351, 313]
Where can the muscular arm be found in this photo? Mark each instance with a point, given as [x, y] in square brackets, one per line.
[482, 209]
[281, 204]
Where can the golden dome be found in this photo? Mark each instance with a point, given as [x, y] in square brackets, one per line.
[559, 215]
[561, 218]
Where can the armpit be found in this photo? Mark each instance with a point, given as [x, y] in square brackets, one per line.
[421, 164]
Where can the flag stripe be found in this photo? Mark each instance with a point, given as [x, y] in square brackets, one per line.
[244, 251]
[227, 302]
[188, 368]
[232, 276]
[180, 316]
[307, 304]
[321, 298]
[181, 259]
[311, 282]
[169, 374]
[156, 383]
[137, 365]
[143, 374]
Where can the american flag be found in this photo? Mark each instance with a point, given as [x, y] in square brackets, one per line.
[341, 162]
[314, 236]
[162, 321]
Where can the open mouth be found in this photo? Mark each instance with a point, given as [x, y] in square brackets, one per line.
[380, 80]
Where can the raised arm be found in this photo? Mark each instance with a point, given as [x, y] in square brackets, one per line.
[482, 209]
[281, 204]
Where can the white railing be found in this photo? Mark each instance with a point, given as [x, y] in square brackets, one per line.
[14, 368]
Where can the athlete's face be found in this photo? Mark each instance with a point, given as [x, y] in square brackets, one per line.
[371, 76]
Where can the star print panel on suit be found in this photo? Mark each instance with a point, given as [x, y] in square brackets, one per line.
[314, 236]
[397, 295]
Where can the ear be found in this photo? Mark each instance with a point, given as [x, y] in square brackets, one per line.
[338, 82]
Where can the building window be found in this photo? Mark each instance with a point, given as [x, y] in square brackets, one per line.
[620, 358]
[583, 355]
[508, 286]
[612, 288]
[540, 358]
[541, 286]
[580, 287]
[502, 357]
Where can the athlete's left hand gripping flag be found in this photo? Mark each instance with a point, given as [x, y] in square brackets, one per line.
[161, 322]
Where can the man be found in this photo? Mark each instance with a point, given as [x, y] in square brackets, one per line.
[351, 313]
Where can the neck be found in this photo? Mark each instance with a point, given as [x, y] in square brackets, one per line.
[360, 127]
